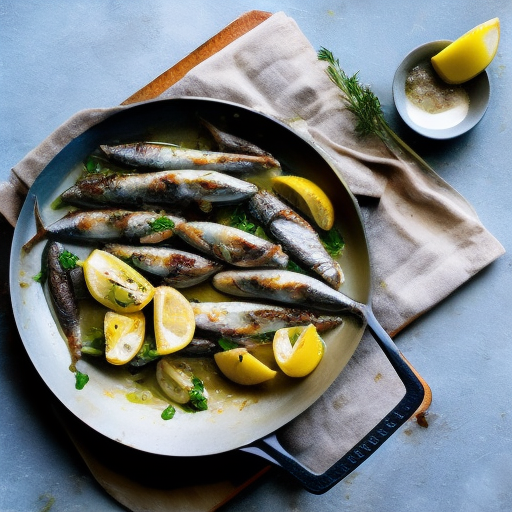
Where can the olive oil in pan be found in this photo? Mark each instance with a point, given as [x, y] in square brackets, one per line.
[141, 387]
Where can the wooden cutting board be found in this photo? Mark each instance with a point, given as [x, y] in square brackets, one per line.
[233, 31]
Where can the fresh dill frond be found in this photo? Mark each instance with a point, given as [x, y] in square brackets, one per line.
[361, 101]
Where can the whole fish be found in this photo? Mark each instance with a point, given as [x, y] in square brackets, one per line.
[107, 225]
[151, 155]
[233, 144]
[163, 188]
[178, 269]
[285, 286]
[242, 319]
[232, 245]
[296, 235]
[64, 301]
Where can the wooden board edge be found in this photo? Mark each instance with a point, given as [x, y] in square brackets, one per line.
[237, 28]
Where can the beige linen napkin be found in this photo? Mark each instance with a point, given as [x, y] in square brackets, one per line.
[425, 240]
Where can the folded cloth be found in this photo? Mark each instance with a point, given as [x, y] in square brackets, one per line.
[425, 240]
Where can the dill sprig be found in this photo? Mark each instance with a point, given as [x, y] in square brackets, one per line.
[361, 101]
[365, 105]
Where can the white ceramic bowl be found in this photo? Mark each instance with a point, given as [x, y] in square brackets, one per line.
[431, 125]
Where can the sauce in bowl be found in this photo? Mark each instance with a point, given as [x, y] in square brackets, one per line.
[432, 103]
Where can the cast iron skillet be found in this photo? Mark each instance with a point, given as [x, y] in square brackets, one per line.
[250, 418]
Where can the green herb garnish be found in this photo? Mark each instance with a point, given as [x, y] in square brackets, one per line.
[293, 267]
[226, 344]
[161, 224]
[197, 398]
[168, 413]
[68, 260]
[147, 353]
[93, 166]
[39, 277]
[81, 379]
[333, 242]
[239, 220]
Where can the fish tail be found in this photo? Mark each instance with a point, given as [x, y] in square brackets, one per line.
[41, 230]
[230, 143]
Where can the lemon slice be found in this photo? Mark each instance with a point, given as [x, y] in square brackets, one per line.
[124, 336]
[298, 350]
[308, 197]
[115, 284]
[242, 367]
[174, 320]
[470, 54]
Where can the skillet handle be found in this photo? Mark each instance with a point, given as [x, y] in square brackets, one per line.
[318, 483]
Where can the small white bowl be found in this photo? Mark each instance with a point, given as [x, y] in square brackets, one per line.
[431, 125]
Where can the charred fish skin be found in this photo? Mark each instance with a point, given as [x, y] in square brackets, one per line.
[286, 287]
[232, 245]
[162, 188]
[62, 295]
[246, 319]
[296, 235]
[179, 269]
[151, 155]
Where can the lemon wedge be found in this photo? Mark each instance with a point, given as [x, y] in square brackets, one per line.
[242, 367]
[298, 350]
[124, 336]
[174, 320]
[468, 55]
[308, 197]
[115, 284]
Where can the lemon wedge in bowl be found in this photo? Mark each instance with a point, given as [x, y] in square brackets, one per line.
[308, 197]
[468, 55]
[174, 320]
[124, 336]
[115, 284]
[298, 350]
[242, 367]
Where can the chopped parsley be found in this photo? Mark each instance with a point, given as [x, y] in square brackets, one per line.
[92, 165]
[81, 379]
[239, 220]
[68, 260]
[147, 353]
[197, 398]
[168, 413]
[160, 224]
